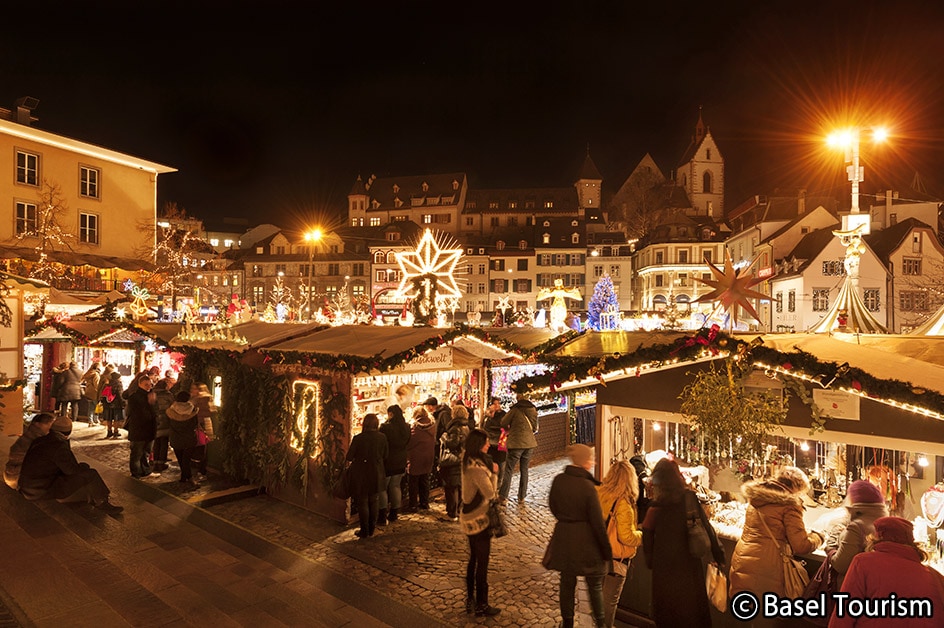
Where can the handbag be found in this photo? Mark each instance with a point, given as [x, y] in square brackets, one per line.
[503, 440]
[795, 577]
[717, 586]
[99, 407]
[201, 437]
[699, 545]
[619, 549]
[824, 581]
[496, 522]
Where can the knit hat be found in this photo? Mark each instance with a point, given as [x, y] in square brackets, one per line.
[580, 454]
[864, 492]
[63, 425]
[894, 529]
[431, 401]
[793, 479]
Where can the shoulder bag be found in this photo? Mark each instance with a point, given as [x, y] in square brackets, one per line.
[824, 581]
[699, 545]
[795, 577]
[620, 550]
[496, 522]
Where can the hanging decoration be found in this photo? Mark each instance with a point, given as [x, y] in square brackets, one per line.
[427, 278]
[732, 288]
[138, 305]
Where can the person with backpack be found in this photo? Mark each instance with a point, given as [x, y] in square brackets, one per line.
[521, 422]
[113, 404]
[450, 462]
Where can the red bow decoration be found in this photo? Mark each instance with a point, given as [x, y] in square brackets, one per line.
[701, 339]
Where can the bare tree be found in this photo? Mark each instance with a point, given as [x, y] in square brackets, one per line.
[46, 228]
[642, 203]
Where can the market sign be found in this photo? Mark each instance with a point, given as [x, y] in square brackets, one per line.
[836, 404]
[441, 358]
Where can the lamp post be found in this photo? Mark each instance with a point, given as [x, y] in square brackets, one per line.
[312, 237]
[849, 140]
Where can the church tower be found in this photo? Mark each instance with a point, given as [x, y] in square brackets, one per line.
[589, 186]
[701, 173]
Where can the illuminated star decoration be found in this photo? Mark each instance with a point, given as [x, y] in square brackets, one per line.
[504, 304]
[128, 285]
[732, 288]
[427, 275]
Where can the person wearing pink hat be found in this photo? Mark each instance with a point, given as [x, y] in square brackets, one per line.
[864, 503]
[892, 564]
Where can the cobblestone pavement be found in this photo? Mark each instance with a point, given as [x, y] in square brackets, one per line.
[418, 560]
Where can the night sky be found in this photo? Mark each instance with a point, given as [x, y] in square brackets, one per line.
[269, 110]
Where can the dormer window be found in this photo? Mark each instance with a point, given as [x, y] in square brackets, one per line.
[425, 186]
[548, 204]
[396, 188]
[375, 204]
[500, 245]
[547, 223]
[512, 204]
[397, 202]
[391, 257]
[573, 223]
[546, 238]
[393, 236]
[575, 238]
[379, 257]
[455, 184]
[522, 244]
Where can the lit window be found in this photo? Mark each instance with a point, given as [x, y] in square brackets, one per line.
[427, 218]
[214, 242]
[27, 168]
[546, 238]
[88, 181]
[792, 301]
[25, 218]
[548, 204]
[227, 243]
[88, 228]
[375, 221]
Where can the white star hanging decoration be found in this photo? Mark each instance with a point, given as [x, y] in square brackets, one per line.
[431, 261]
[128, 285]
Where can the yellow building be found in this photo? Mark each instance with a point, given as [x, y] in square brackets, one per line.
[105, 205]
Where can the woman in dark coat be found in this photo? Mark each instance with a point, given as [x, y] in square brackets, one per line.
[450, 463]
[182, 419]
[398, 435]
[420, 452]
[679, 597]
[113, 403]
[579, 545]
[366, 455]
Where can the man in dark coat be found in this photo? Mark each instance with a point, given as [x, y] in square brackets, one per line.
[450, 464]
[50, 470]
[440, 414]
[141, 426]
[579, 545]
[367, 454]
[398, 435]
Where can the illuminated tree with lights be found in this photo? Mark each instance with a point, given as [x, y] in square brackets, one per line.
[177, 250]
[47, 231]
[603, 300]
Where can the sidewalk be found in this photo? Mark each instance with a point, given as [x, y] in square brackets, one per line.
[256, 560]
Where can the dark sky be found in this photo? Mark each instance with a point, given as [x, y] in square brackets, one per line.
[270, 109]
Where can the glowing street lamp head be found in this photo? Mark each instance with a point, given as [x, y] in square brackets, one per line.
[313, 236]
[840, 139]
[879, 134]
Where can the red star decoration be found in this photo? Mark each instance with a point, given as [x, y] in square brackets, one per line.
[732, 288]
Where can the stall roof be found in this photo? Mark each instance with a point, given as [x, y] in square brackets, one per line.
[370, 340]
[918, 360]
[603, 343]
[248, 335]
[164, 332]
[525, 337]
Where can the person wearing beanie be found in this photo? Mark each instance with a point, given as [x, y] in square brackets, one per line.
[182, 419]
[50, 470]
[775, 510]
[579, 545]
[398, 436]
[679, 597]
[864, 503]
[892, 564]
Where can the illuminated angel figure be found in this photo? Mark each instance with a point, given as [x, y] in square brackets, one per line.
[558, 305]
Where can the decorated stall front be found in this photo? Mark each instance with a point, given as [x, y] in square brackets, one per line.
[730, 409]
[290, 406]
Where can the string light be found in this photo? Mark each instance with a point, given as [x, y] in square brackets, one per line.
[431, 268]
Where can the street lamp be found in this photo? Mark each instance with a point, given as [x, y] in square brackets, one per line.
[312, 237]
[848, 139]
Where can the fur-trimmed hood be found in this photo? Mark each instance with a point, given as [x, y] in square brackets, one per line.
[181, 411]
[762, 492]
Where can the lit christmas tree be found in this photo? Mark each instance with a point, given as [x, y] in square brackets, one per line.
[603, 306]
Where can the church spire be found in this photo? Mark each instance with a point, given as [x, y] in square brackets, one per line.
[699, 127]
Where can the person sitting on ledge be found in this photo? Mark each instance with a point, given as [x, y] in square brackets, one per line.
[50, 470]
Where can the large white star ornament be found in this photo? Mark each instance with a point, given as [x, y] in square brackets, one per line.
[432, 261]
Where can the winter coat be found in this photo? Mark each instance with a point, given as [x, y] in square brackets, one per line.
[162, 401]
[90, 382]
[118, 400]
[756, 564]
[398, 435]
[443, 417]
[579, 544]
[891, 568]
[142, 421]
[450, 458]
[204, 412]
[11, 472]
[367, 454]
[492, 427]
[50, 469]
[626, 519]
[71, 384]
[851, 540]
[678, 579]
[58, 381]
[421, 450]
[521, 421]
[182, 418]
[477, 479]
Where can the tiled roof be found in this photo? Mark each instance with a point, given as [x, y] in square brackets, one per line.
[886, 241]
[588, 170]
[441, 190]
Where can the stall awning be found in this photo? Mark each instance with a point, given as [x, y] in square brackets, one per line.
[75, 258]
[607, 343]
[241, 337]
